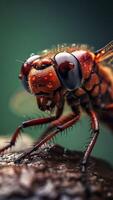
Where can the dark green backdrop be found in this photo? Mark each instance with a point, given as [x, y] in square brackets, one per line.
[30, 26]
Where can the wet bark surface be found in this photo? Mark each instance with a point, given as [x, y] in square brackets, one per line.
[53, 173]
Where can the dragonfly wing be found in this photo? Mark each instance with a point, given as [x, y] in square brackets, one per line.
[105, 54]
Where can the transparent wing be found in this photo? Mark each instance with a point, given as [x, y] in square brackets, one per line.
[105, 54]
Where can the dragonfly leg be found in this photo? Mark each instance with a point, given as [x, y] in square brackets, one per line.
[95, 129]
[60, 124]
[25, 124]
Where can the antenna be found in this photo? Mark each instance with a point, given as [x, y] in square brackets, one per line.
[20, 61]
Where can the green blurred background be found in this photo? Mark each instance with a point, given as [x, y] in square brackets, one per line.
[31, 26]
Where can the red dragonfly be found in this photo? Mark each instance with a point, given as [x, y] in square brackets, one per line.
[73, 74]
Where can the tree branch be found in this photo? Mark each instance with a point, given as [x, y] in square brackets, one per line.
[52, 173]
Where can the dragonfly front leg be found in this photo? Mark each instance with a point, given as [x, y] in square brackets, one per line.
[25, 124]
[95, 129]
[33, 122]
[60, 124]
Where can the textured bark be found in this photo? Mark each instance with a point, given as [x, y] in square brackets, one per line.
[52, 173]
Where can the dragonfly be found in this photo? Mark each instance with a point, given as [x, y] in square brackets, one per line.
[75, 75]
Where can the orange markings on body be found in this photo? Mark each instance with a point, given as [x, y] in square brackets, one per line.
[46, 80]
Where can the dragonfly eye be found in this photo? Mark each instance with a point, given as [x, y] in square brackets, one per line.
[68, 69]
[23, 76]
[25, 70]
[26, 67]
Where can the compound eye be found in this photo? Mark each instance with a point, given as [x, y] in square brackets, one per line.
[25, 83]
[68, 69]
[23, 76]
[32, 58]
[25, 69]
